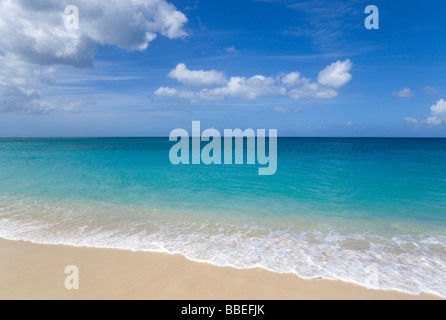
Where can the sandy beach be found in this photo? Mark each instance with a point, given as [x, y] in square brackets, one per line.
[34, 271]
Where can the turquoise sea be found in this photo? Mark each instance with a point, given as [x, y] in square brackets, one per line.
[368, 211]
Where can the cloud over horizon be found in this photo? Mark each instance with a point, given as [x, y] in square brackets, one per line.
[438, 116]
[215, 86]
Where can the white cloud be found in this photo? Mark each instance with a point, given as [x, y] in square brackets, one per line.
[336, 75]
[438, 115]
[349, 124]
[245, 88]
[166, 92]
[293, 79]
[303, 88]
[312, 91]
[35, 30]
[13, 97]
[20, 86]
[198, 78]
[330, 82]
[33, 37]
[283, 110]
[404, 93]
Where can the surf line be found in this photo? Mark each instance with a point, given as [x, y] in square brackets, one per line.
[211, 153]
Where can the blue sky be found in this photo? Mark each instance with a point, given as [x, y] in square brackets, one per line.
[306, 68]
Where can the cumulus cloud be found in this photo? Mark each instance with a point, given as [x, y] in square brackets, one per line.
[404, 93]
[217, 87]
[197, 78]
[438, 116]
[438, 113]
[336, 75]
[245, 88]
[35, 29]
[33, 37]
[20, 86]
[12, 97]
[166, 92]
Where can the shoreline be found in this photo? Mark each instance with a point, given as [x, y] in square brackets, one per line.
[36, 271]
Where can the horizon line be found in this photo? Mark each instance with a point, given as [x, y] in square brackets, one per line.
[167, 137]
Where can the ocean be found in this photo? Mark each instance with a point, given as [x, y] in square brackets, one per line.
[367, 211]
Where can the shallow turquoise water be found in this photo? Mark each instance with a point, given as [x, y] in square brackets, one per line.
[336, 208]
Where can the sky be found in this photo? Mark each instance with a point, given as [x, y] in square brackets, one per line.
[147, 67]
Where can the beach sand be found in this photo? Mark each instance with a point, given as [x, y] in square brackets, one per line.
[34, 271]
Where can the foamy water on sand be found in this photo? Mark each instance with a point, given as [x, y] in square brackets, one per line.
[372, 212]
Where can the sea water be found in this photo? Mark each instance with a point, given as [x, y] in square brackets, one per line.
[368, 211]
